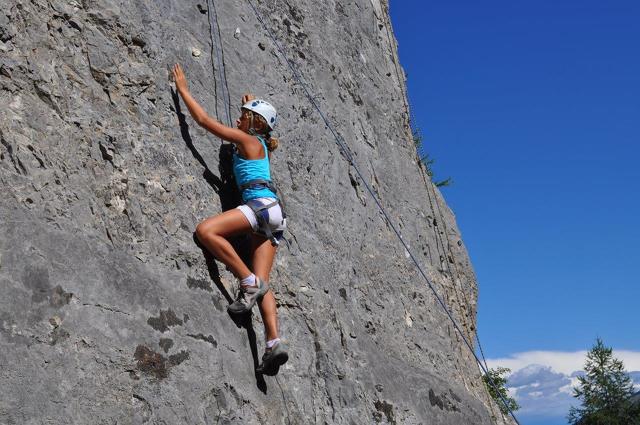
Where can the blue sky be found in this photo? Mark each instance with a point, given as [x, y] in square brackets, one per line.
[534, 110]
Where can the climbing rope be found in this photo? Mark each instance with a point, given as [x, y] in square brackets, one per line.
[482, 351]
[457, 271]
[459, 275]
[349, 157]
[216, 48]
[446, 251]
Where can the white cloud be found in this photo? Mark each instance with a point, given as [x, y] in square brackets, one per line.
[561, 361]
[542, 381]
[540, 390]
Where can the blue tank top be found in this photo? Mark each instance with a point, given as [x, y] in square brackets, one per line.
[246, 170]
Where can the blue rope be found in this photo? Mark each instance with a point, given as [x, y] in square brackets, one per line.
[345, 151]
[216, 44]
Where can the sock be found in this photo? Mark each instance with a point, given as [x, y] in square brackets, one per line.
[272, 342]
[249, 280]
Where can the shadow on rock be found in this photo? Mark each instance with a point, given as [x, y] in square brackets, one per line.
[260, 382]
[214, 181]
[244, 321]
[240, 244]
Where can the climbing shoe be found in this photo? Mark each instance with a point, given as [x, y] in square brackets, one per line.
[247, 297]
[272, 359]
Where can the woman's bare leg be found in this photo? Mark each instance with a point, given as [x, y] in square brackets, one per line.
[263, 255]
[213, 233]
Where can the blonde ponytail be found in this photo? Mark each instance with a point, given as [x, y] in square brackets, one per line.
[272, 144]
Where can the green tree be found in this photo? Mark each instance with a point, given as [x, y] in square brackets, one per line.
[426, 160]
[605, 391]
[497, 376]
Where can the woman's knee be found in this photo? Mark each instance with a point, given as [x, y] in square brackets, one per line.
[205, 229]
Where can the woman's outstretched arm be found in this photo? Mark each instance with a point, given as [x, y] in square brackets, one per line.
[200, 116]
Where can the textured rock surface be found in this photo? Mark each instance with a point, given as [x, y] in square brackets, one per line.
[110, 313]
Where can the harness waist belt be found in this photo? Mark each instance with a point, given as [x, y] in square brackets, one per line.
[259, 183]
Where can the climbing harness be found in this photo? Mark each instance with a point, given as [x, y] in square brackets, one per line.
[349, 157]
[258, 179]
[262, 215]
[262, 212]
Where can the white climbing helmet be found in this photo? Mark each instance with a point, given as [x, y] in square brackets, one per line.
[264, 109]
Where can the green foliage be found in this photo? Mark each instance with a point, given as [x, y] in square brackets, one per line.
[416, 134]
[497, 376]
[446, 182]
[605, 391]
[427, 161]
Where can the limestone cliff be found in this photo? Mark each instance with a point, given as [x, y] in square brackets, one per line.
[110, 313]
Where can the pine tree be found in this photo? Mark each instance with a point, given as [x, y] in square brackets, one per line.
[496, 381]
[605, 391]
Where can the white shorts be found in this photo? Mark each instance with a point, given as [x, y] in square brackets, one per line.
[274, 216]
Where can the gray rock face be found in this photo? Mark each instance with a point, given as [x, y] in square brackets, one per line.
[110, 313]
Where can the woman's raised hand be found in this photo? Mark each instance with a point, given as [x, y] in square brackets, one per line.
[247, 98]
[179, 78]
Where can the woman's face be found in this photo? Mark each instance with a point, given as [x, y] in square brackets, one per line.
[244, 121]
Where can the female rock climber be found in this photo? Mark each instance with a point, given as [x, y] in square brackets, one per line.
[260, 215]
